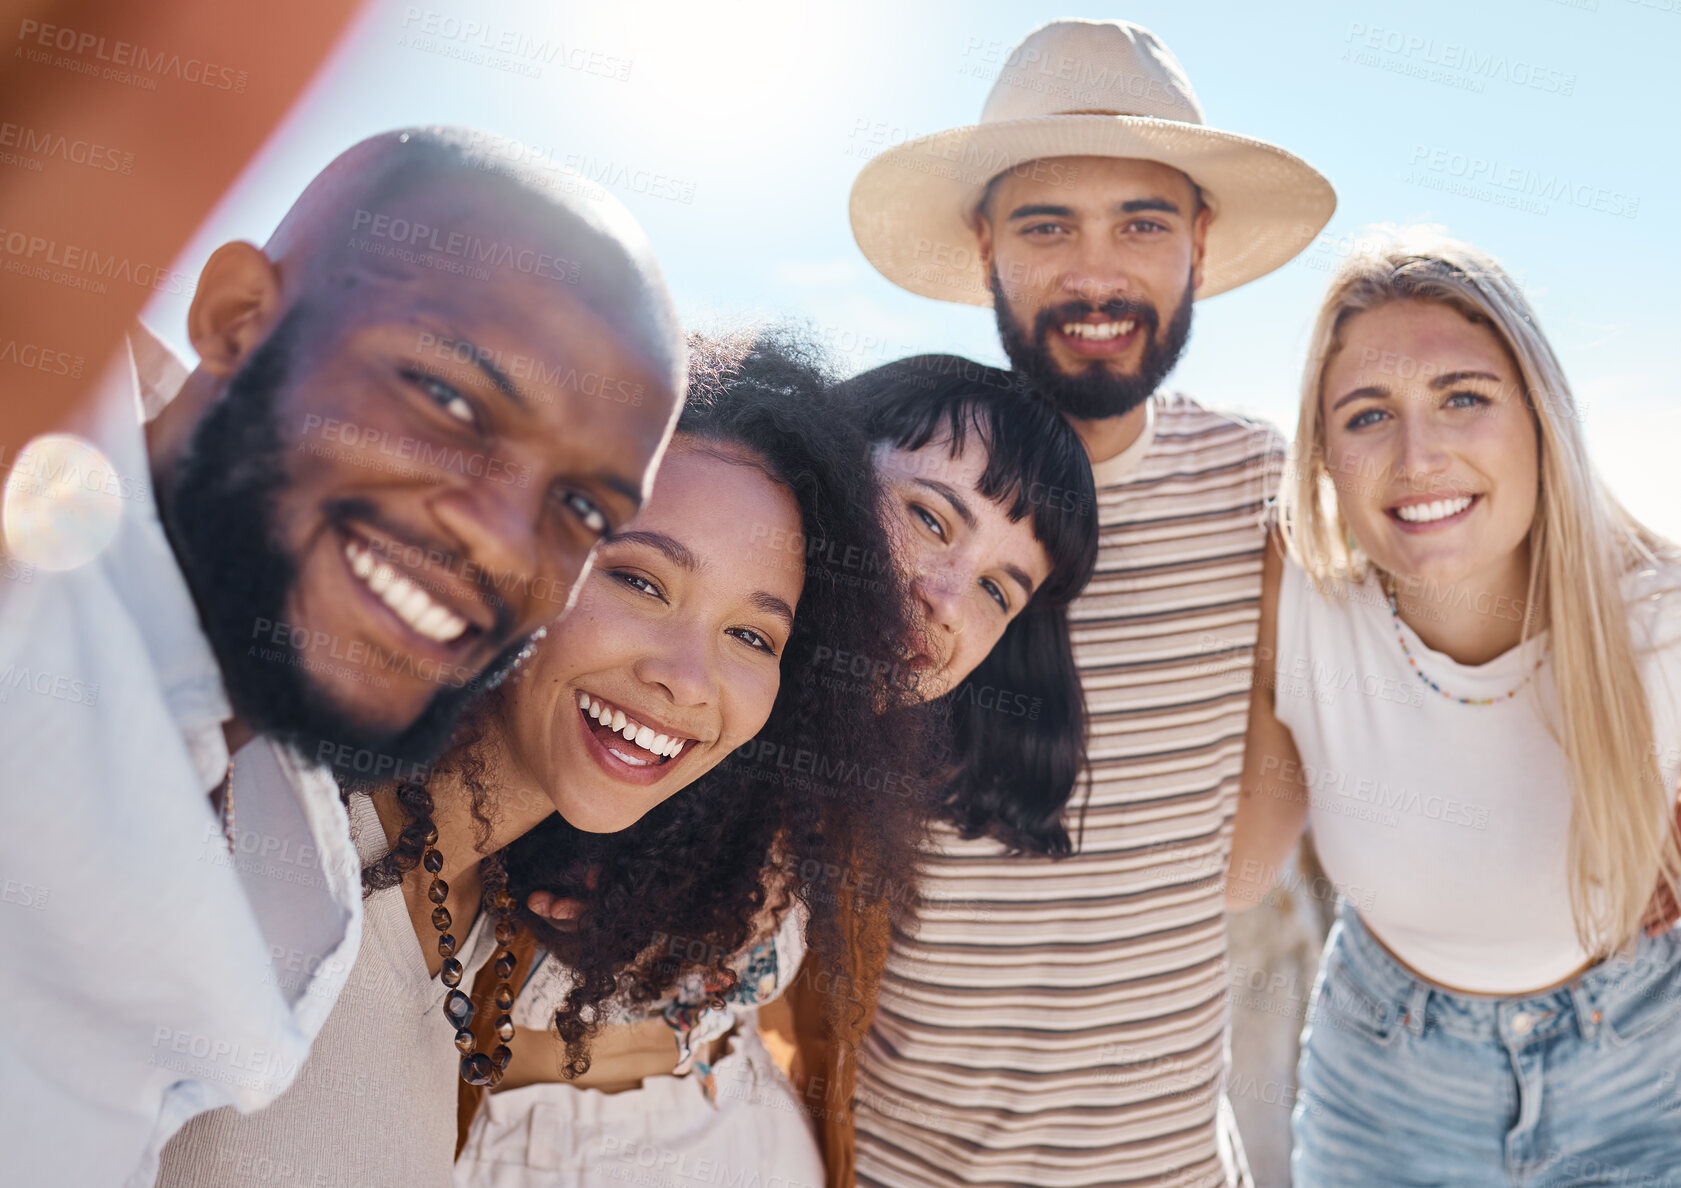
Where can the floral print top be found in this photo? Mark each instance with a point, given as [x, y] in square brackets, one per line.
[697, 1011]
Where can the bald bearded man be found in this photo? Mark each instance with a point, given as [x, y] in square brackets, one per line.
[416, 411]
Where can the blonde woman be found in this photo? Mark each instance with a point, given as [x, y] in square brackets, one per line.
[1470, 685]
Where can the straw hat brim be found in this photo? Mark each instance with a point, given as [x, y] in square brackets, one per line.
[912, 204]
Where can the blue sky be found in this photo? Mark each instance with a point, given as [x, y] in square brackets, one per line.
[733, 131]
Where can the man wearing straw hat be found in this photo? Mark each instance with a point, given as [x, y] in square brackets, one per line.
[1070, 1029]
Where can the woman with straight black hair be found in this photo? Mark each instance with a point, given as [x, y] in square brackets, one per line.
[969, 458]
[1018, 719]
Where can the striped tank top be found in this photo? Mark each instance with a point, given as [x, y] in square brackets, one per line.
[1063, 1023]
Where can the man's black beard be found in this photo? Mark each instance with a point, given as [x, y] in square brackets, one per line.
[1094, 392]
[219, 511]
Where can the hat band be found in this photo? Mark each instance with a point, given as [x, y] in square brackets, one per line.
[1136, 115]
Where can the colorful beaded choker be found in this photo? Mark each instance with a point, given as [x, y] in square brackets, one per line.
[1395, 614]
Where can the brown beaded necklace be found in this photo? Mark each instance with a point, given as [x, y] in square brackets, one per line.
[476, 1067]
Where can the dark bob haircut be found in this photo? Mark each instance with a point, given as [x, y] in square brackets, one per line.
[1018, 722]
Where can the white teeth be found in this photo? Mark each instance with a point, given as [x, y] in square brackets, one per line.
[630, 759]
[673, 746]
[1100, 331]
[409, 601]
[360, 563]
[432, 621]
[1439, 509]
[412, 604]
[665, 745]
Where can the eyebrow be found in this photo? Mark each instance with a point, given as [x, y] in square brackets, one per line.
[1454, 377]
[1130, 206]
[1033, 210]
[950, 495]
[1134, 205]
[1357, 394]
[1020, 575]
[673, 550]
[496, 375]
[770, 604]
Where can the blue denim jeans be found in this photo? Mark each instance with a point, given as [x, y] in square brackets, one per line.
[1405, 1083]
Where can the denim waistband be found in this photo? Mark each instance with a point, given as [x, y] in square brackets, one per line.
[1514, 1019]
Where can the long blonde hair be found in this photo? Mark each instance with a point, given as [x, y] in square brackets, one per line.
[1582, 542]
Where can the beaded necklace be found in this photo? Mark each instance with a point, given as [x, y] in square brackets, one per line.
[476, 1067]
[1395, 614]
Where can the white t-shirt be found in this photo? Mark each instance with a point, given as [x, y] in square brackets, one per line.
[1448, 825]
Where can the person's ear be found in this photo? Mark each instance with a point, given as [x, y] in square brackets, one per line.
[983, 238]
[1199, 245]
[237, 299]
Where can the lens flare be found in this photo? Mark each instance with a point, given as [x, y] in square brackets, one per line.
[62, 502]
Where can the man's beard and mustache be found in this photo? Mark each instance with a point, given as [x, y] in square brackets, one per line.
[219, 511]
[1094, 392]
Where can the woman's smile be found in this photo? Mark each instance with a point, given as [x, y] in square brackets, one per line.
[1431, 513]
[625, 747]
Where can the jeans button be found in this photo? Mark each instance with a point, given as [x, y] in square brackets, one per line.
[1522, 1022]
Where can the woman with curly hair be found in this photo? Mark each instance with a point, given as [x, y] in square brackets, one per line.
[988, 501]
